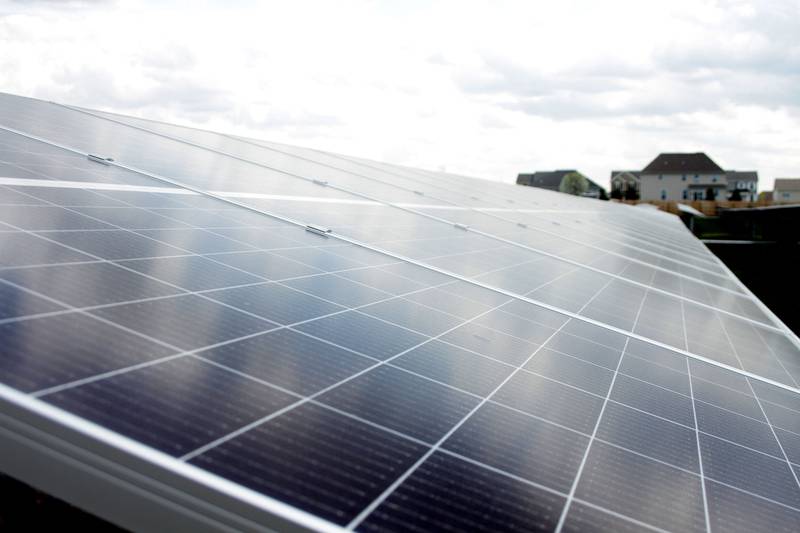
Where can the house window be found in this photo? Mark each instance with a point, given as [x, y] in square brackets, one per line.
[696, 178]
[685, 194]
[785, 195]
[683, 178]
[663, 194]
[713, 179]
[660, 177]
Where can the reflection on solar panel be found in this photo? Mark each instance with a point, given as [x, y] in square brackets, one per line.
[205, 331]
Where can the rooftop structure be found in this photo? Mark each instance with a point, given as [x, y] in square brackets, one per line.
[551, 180]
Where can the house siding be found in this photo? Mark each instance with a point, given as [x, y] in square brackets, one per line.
[673, 185]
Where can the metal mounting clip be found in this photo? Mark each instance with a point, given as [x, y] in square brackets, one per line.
[318, 230]
[98, 159]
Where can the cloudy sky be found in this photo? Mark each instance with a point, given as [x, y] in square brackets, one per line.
[487, 88]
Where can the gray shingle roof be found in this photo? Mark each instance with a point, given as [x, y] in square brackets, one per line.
[682, 163]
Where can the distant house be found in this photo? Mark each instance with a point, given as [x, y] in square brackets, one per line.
[625, 184]
[683, 176]
[552, 180]
[743, 181]
[786, 190]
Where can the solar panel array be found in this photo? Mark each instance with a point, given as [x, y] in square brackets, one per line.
[337, 342]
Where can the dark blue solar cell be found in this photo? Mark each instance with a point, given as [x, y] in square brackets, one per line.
[88, 284]
[790, 443]
[192, 273]
[148, 199]
[654, 400]
[648, 435]
[587, 350]
[176, 406]
[642, 489]
[337, 289]
[657, 355]
[401, 401]
[266, 265]
[656, 374]
[34, 218]
[319, 258]
[733, 510]
[781, 416]
[196, 240]
[495, 298]
[115, 244]
[742, 404]
[41, 353]
[736, 428]
[521, 445]
[516, 326]
[276, 303]
[187, 322]
[413, 316]
[606, 337]
[552, 401]
[383, 280]
[22, 249]
[570, 370]
[749, 470]
[290, 360]
[449, 303]
[454, 366]
[363, 334]
[200, 218]
[322, 462]
[262, 239]
[12, 196]
[16, 302]
[71, 197]
[491, 343]
[130, 217]
[448, 494]
[584, 519]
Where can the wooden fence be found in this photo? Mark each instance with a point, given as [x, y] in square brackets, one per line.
[705, 207]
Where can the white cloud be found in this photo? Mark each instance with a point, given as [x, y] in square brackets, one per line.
[483, 88]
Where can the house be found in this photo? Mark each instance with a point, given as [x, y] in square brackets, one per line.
[786, 190]
[683, 176]
[552, 180]
[743, 181]
[625, 184]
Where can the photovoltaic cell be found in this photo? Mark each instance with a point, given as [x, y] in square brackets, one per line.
[175, 406]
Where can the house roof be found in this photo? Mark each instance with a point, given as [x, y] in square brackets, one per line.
[787, 184]
[551, 179]
[544, 179]
[635, 173]
[742, 175]
[682, 163]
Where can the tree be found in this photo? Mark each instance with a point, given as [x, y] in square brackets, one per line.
[736, 196]
[574, 183]
[710, 194]
[616, 194]
[631, 194]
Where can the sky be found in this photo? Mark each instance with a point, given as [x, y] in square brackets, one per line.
[482, 88]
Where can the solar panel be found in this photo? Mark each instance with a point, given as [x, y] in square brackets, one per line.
[182, 344]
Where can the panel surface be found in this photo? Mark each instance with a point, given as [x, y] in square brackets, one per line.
[560, 364]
